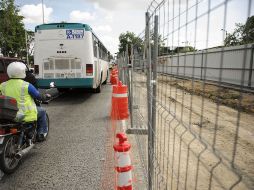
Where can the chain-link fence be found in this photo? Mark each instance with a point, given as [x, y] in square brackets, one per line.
[192, 103]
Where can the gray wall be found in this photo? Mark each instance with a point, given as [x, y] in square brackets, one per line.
[231, 64]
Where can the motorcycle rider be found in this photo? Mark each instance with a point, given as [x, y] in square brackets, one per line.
[25, 93]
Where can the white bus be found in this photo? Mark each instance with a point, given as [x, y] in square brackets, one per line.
[70, 55]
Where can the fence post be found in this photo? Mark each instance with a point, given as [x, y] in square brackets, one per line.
[131, 86]
[251, 66]
[154, 84]
[120, 68]
[149, 105]
[202, 65]
[125, 66]
[127, 75]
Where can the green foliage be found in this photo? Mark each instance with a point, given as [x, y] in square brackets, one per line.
[167, 51]
[12, 32]
[129, 38]
[243, 34]
[30, 44]
[184, 49]
[248, 31]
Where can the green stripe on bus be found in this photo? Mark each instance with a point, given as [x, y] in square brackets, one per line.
[63, 26]
[66, 83]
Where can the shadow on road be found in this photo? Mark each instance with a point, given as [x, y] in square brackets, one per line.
[75, 96]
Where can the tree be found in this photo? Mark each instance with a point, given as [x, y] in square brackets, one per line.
[184, 49]
[248, 31]
[12, 31]
[129, 38]
[30, 45]
[243, 34]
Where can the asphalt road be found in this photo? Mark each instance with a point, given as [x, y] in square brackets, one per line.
[73, 156]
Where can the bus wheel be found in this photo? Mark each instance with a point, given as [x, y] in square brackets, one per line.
[98, 89]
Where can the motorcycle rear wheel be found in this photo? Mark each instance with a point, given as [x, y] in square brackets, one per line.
[8, 162]
[47, 120]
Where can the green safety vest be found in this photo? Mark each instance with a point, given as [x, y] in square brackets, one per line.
[18, 89]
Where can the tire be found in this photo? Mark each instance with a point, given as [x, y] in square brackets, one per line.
[47, 120]
[98, 89]
[10, 148]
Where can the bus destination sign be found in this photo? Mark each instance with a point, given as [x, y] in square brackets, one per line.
[75, 34]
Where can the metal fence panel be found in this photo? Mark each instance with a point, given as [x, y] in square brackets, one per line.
[193, 115]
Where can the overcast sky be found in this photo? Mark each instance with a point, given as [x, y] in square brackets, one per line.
[109, 18]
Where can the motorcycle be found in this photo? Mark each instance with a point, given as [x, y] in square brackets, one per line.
[16, 138]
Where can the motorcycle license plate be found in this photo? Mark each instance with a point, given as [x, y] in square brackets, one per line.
[1, 140]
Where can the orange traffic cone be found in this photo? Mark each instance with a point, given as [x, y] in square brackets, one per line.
[123, 163]
[119, 102]
[114, 77]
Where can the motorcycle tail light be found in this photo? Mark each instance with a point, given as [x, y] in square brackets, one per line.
[13, 131]
[13, 101]
[2, 131]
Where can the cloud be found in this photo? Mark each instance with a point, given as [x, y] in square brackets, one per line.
[110, 42]
[78, 16]
[104, 13]
[33, 13]
[102, 28]
[121, 5]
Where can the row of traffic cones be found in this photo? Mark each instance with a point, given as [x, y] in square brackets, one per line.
[114, 76]
[120, 114]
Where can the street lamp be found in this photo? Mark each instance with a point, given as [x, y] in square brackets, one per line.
[27, 59]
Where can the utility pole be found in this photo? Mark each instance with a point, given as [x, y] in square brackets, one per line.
[27, 59]
[42, 5]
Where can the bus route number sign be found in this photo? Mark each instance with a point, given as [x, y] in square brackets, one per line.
[75, 34]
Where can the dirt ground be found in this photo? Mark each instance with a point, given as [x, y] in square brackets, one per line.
[200, 143]
[221, 95]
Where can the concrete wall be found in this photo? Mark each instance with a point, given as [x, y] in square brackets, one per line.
[228, 65]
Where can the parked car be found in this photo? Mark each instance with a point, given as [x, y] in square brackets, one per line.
[5, 61]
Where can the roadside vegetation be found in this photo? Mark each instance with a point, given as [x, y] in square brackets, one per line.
[13, 35]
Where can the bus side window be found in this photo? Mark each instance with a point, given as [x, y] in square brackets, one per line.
[100, 51]
[94, 48]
